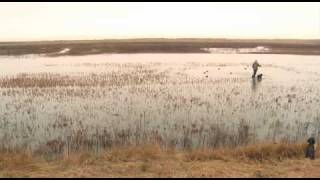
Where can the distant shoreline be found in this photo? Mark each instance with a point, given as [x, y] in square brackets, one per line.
[182, 45]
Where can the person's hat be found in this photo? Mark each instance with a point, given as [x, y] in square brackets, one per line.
[311, 140]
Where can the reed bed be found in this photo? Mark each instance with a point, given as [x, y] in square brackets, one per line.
[135, 104]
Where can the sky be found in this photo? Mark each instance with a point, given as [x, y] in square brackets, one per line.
[34, 21]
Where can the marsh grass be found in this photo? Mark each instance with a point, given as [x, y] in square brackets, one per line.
[139, 104]
[151, 160]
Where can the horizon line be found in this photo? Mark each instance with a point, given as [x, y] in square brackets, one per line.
[157, 38]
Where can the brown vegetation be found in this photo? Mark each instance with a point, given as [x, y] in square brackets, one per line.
[306, 47]
[263, 160]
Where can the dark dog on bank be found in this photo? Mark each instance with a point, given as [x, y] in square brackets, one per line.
[310, 151]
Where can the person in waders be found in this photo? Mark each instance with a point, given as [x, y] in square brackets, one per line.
[310, 150]
[255, 66]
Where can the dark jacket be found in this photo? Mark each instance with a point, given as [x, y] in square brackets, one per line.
[310, 151]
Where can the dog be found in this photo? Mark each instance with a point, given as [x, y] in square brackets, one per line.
[259, 77]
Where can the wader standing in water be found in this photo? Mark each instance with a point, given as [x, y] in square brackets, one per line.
[255, 66]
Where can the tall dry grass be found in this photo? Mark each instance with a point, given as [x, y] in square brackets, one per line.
[150, 160]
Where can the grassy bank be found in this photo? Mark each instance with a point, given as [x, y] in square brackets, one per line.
[265, 160]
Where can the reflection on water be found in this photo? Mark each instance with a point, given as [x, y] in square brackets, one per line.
[258, 49]
[254, 84]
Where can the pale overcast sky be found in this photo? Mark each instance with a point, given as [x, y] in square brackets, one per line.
[21, 21]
